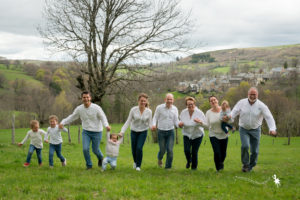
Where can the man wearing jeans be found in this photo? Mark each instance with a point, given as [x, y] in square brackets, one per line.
[93, 119]
[251, 112]
[165, 119]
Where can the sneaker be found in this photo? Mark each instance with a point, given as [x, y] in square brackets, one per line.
[102, 170]
[26, 164]
[138, 169]
[187, 165]
[100, 162]
[160, 163]
[245, 168]
[134, 166]
[233, 130]
[51, 167]
[41, 164]
[64, 163]
[88, 168]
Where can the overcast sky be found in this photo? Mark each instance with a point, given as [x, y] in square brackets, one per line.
[219, 24]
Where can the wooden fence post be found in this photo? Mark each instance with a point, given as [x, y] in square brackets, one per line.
[176, 134]
[13, 130]
[69, 134]
[78, 134]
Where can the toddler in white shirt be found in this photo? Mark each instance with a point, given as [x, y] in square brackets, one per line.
[36, 142]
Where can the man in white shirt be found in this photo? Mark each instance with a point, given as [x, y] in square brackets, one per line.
[165, 119]
[251, 112]
[93, 119]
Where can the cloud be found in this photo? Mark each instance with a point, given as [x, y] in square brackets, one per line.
[218, 24]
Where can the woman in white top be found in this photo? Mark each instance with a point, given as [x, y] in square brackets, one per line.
[139, 119]
[217, 136]
[192, 120]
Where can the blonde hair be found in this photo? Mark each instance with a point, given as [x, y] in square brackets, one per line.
[146, 97]
[225, 102]
[33, 123]
[189, 99]
[53, 117]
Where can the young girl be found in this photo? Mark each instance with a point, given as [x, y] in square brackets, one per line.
[112, 150]
[55, 140]
[225, 112]
[36, 142]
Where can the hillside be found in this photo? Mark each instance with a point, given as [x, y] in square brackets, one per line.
[260, 57]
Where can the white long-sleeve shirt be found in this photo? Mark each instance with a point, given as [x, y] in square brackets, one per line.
[214, 125]
[251, 116]
[138, 122]
[55, 134]
[165, 118]
[92, 117]
[112, 148]
[36, 138]
[191, 129]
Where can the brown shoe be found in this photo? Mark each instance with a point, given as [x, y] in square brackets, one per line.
[160, 163]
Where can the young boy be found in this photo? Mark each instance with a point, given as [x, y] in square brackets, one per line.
[112, 150]
[36, 142]
[225, 112]
[55, 140]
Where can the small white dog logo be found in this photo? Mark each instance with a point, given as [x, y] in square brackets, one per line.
[276, 180]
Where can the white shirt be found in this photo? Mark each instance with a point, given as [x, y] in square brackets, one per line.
[35, 138]
[251, 116]
[166, 118]
[112, 148]
[191, 129]
[214, 125]
[91, 117]
[55, 134]
[138, 121]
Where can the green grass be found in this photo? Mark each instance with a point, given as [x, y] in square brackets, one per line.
[222, 69]
[74, 182]
[12, 75]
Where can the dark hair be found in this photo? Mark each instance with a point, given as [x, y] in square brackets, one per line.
[112, 135]
[211, 97]
[85, 92]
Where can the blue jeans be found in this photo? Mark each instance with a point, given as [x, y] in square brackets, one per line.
[224, 126]
[166, 142]
[220, 148]
[109, 160]
[137, 142]
[191, 148]
[87, 137]
[249, 138]
[38, 153]
[57, 149]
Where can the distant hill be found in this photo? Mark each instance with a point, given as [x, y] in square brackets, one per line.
[270, 57]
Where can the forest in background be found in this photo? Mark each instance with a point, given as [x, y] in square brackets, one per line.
[37, 89]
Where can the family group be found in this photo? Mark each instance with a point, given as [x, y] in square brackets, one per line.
[192, 120]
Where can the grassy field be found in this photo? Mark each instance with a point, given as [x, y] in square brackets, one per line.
[74, 182]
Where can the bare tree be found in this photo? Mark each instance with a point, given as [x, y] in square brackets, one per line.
[111, 35]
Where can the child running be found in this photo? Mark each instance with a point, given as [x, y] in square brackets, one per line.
[55, 140]
[112, 150]
[36, 142]
[225, 112]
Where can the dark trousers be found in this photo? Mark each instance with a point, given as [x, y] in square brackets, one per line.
[220, 148]
[191, 148]
[224, 126]
[137, 142]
